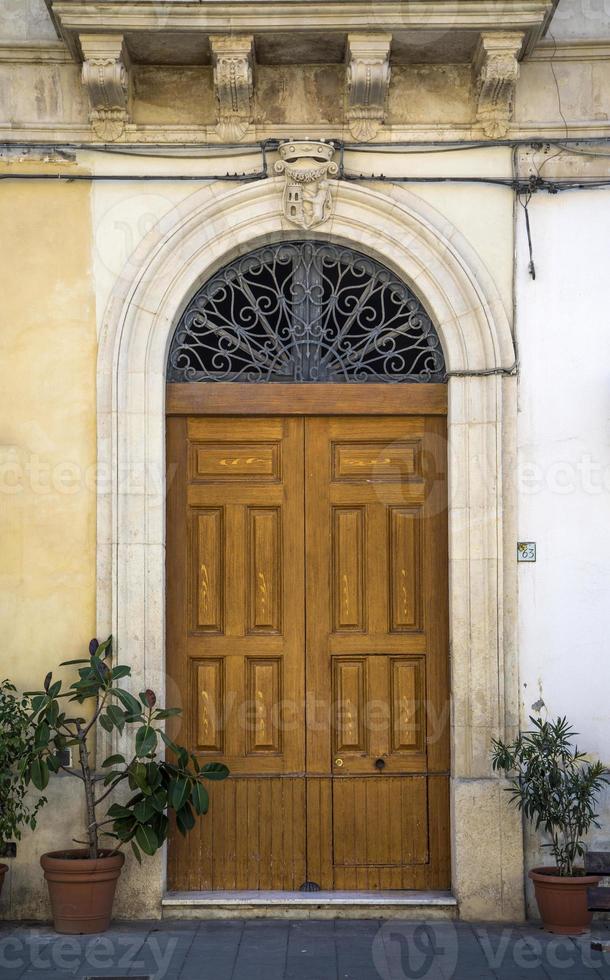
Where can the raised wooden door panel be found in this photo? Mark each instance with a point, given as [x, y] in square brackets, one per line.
[235, 583]
[377, 651]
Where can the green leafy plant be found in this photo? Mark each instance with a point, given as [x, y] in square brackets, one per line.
[554, 785]
[16, 752]
[157, 785]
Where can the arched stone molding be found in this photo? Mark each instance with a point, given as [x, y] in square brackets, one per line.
[210, 228]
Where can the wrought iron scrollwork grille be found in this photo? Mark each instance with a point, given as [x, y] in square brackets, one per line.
[305, 312]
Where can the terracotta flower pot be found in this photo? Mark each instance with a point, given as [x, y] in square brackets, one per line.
[3, 870]
[562, 902]
[81, 889]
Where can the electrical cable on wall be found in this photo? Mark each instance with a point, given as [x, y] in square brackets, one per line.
[524, 201]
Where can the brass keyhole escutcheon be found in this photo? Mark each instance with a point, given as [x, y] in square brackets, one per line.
[338, 763]
[379, 764]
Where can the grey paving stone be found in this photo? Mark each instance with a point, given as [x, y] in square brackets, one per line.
[298, 950]
[311, 953]
[262, 951]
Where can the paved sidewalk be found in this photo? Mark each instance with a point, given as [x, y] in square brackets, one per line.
[306, 950]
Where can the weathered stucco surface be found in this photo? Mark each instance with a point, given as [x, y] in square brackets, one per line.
[47, 467]
[25, 20]
[45, 89]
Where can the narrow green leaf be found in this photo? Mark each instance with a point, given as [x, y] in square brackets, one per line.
[178, 793]
[128, 701]
[39, 774]
[215, 770]
[146, 741]
[116, 715]
[113, 760]
[106, 723]
[136, 851]
[116, 811]
[185, 819]
[159, 801]
[147, 839]
[143, 811]
[42, 735]
[200, 798]
[138, 772]
[38, 701]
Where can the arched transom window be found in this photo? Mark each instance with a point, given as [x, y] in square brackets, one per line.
[305, 312]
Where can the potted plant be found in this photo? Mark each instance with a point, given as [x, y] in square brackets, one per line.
[16, 743]
[82, 881]
[556, 788]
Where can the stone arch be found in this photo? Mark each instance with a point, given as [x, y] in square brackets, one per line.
[206, 231]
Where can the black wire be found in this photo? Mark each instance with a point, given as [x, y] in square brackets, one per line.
[524, 204]
[417, 146]
[520, 186]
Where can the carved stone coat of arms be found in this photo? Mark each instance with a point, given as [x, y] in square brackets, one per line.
[307, 167]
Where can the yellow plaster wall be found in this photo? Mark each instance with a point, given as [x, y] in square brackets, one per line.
[47, 426]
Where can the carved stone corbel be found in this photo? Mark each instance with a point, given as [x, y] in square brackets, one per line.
[496, 70]
[233, 59]
[368, 82]
[105, 76]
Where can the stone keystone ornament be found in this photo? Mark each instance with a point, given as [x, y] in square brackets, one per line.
[307, 166]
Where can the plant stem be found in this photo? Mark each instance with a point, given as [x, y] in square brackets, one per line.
[86, 770]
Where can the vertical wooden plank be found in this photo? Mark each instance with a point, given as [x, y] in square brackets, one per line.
[300, 849]
[265, 820]
[277, 864]
[243, 819]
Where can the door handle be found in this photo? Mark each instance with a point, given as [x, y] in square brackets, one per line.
[379, 764]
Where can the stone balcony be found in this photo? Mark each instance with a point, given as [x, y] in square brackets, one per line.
[362, 44]
[299, 31]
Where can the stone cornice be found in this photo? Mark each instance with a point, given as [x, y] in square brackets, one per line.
[135, 135]
[581, 50]
[56, 52]
[265, 17]
[49, 53]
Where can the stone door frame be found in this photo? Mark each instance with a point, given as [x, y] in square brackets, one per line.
[207, 230]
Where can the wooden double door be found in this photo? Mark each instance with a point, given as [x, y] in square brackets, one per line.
[307, 643]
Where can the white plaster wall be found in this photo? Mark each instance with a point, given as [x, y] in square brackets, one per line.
[578, 19]
[564, 468]
[25, 20]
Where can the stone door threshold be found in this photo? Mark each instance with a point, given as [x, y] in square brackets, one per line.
[310, 905]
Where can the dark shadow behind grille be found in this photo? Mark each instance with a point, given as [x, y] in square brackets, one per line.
[305, 312]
